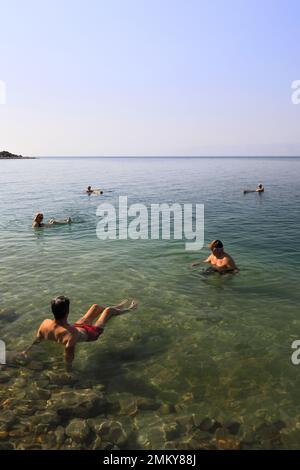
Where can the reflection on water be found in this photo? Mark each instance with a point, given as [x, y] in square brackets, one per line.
[205, 361]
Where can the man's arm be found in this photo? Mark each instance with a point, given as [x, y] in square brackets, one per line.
[207, 260]
[60, 222]
[69, 356]
[38, 339]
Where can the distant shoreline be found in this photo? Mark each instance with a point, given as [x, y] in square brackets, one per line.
[11, 156]
[168, 157]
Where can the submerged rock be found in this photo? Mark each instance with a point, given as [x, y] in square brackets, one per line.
[166, 409]
[8, 315]
[78, 430]
[111, 431]
[4, 377]
[83, 403]
[8, 418]
[185, 422]
[128, 406]
[36, 365]
[20, 382]
[97, 445]
[47, 440]
[172, 430]
[152, 438]
[146, 404]
[41, 429]
[233, 427]
[21, 407]
[36, 393]
[225, 441]
[48, 417]
[198, 440]
[209, 425]
[60, 435]
[61, 379]
[18, 430]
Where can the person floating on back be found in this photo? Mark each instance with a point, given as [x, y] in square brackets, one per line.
[87, 328]
[90, 191]
[260, 188]
[39, 217]
[220, 261]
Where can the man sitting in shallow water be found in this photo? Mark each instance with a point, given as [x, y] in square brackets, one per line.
[220, 261]
[85, 329]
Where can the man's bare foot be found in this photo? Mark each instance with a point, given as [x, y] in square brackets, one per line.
[133, 305]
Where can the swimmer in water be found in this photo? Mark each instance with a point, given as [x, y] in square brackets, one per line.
[88, 328]
[260, 188]
[90, 191]
[39, 217]
[220, 261]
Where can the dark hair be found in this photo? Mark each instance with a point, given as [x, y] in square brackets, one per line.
[60, 307]
[218, 244]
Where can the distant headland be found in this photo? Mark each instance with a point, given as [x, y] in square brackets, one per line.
[4, 155]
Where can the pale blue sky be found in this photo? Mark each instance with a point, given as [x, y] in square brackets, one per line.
[150, 77]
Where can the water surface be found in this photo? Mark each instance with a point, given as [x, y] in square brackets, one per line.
[216, 346]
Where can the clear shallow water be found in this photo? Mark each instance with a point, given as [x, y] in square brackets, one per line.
[216, 346]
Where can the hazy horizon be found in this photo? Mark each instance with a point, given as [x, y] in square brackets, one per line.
[134, 77]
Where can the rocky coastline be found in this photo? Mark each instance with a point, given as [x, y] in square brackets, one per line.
[5, 155]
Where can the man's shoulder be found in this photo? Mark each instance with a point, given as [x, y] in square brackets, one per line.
[229, 259]
[46, 322]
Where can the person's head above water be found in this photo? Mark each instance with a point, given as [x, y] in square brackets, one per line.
[60, 307]
[89, 188]
[38, 218]
[260, 185]
[216, 246]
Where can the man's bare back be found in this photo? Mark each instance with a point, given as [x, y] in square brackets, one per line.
[51, 330]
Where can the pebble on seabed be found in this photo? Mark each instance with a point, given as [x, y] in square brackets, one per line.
[78, 430]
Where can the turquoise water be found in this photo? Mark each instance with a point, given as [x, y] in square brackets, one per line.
[216, 347]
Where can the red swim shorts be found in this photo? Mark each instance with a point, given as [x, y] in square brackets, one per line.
[93, 332]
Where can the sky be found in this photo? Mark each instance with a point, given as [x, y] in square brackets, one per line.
[149, 77]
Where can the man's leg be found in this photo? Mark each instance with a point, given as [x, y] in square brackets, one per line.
[95, 311]
[91, 314]
[112, 312]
